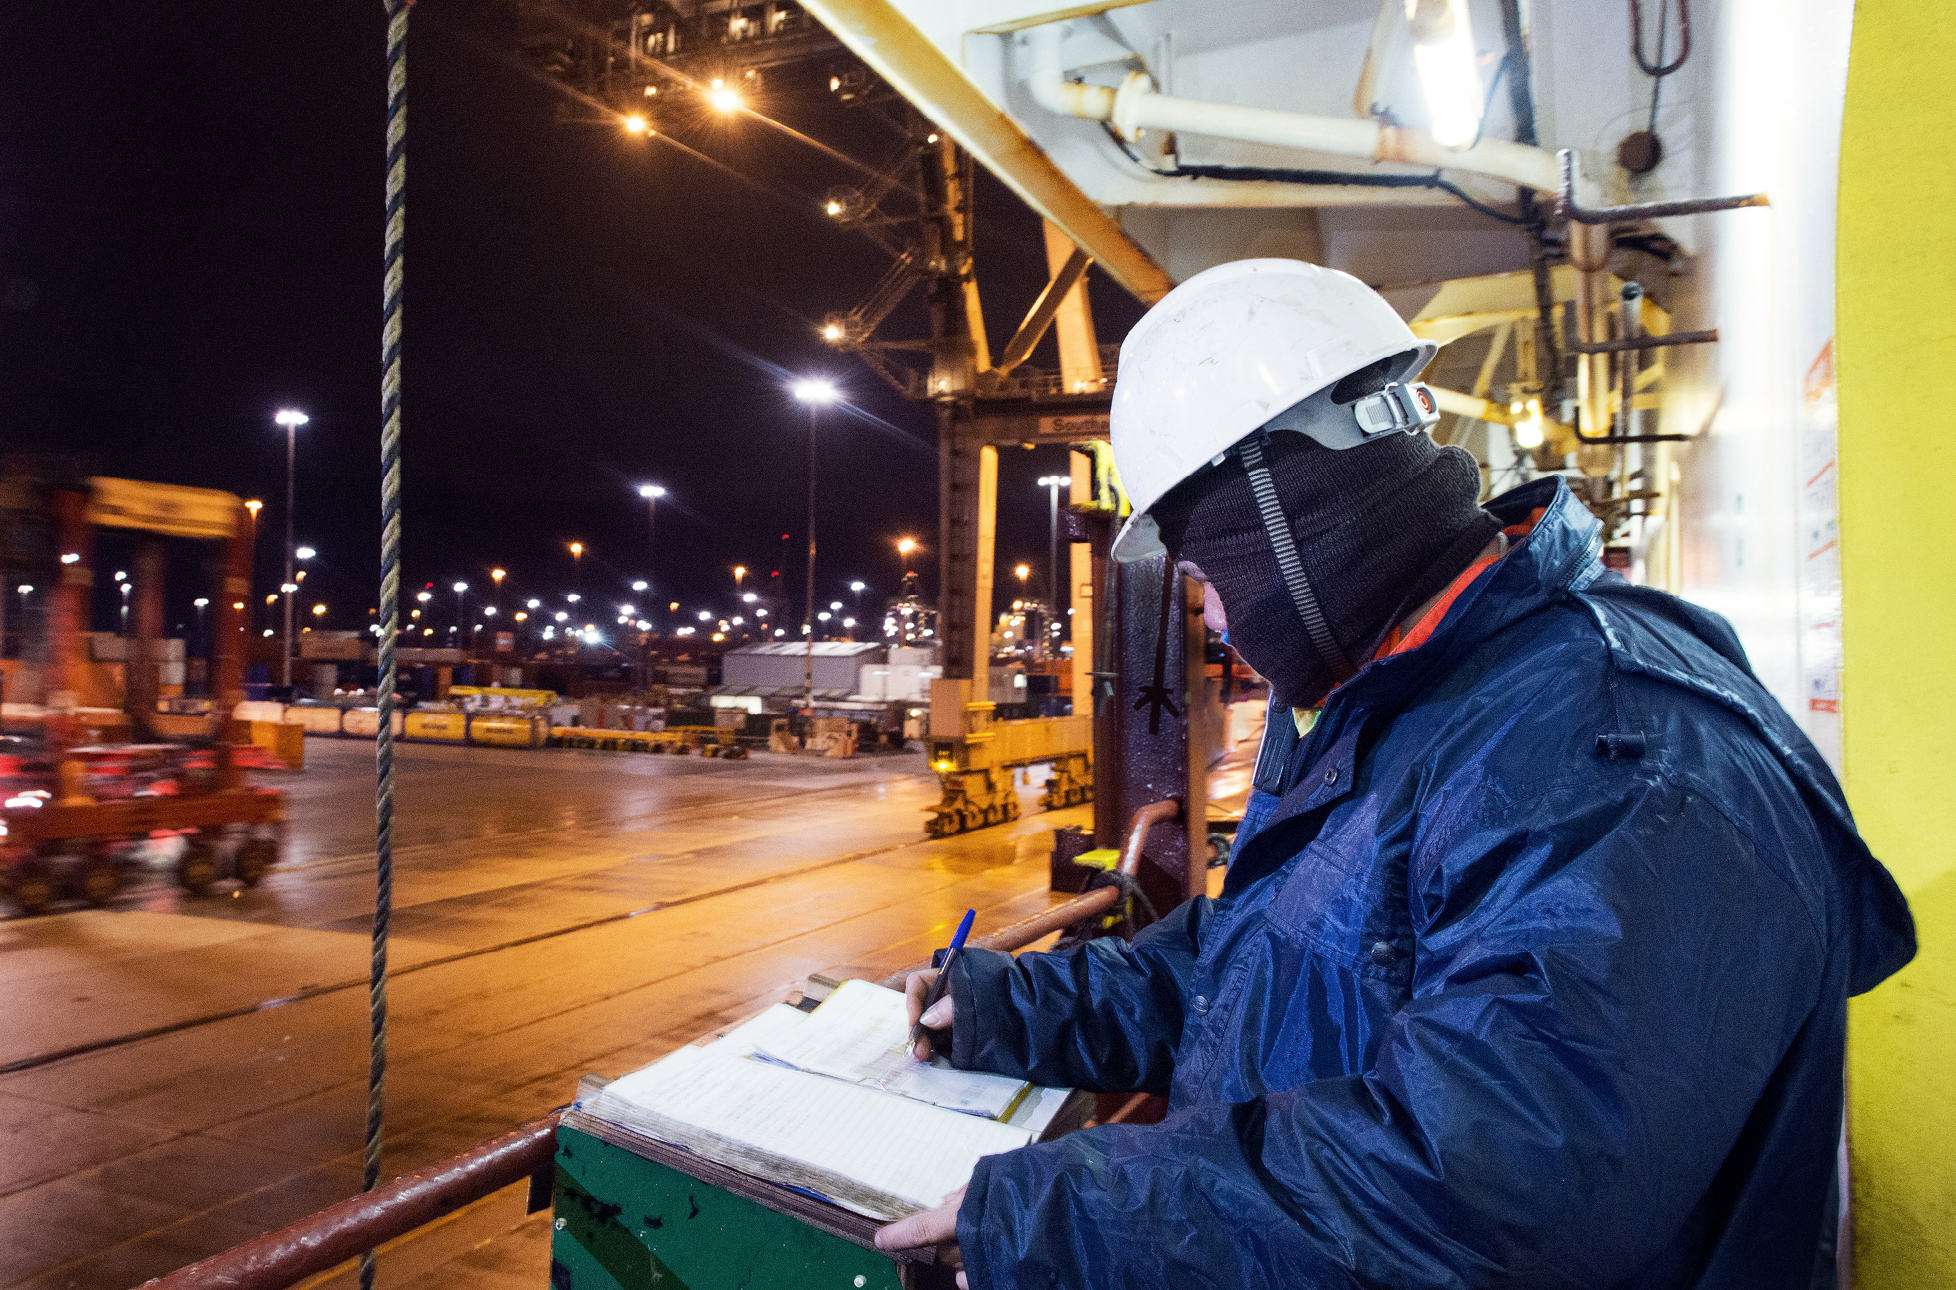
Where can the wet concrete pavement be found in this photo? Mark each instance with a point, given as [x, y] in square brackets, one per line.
[187, 1072]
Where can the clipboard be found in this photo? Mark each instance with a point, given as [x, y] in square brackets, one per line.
[635, 1213]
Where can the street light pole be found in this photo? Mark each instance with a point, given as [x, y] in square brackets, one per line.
[814, 394]
[291, 420]
[1053, 483]
[808, 609]
[251, 601]
[651, 493]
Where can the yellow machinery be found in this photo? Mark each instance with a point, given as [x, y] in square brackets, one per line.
[712, 741]
[977, 760]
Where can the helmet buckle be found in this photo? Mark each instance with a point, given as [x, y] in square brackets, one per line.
[1408, 407]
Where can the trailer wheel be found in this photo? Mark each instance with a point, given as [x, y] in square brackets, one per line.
[255, 859]
[197, 866]
[30, 886]
[99, 878]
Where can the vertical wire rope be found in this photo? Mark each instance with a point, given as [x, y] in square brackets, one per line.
[390, 587]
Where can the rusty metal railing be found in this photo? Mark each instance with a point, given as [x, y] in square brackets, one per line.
[371, 1219]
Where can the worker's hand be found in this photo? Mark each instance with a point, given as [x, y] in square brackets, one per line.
[938, 1018]
[937, 1227]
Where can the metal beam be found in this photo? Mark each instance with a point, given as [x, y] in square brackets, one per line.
[876, 32]
[1043, 311]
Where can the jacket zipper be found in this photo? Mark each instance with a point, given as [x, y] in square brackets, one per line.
[1582, 561]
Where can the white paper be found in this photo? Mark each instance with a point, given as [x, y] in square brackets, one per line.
[861, 1033]
[1038, 1108]
[890, 1144]
[854, 1034]
[768, 1029]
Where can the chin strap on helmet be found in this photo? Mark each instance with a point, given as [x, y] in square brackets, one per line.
[1410, 407]
[1289, 563]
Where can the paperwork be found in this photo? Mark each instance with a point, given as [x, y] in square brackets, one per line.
[861, 1033]
[831, 1104]
[878, 1154]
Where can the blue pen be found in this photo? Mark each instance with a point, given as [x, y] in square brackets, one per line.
[943, 982]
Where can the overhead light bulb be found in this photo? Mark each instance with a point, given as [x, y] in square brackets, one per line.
[1528, 429]
[636, 124]
[1443, 51]
[723, 99]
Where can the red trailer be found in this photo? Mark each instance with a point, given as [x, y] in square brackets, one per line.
[76, 821]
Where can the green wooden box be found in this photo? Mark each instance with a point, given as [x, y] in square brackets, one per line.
[624, 1222]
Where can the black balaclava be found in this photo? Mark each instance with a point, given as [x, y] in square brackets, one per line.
[1380, 528]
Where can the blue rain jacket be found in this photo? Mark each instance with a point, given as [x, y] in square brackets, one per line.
[1535, 974]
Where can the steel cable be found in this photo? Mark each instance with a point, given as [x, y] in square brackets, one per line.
[390, 587]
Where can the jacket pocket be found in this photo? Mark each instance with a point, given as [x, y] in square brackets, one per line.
[1349, 905]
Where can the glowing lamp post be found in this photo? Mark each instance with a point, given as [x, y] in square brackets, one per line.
[651, 493]
[815, 394]
[291, 419]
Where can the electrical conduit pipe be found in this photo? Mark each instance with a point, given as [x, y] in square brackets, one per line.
[1136, 106]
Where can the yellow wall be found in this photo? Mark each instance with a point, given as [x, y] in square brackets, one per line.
[1897, 348]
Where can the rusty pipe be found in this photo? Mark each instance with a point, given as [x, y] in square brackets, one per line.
[1569, 209]
[1635, 343]
[1027, 930]
[1589, 254]
[1128, 1108]
[1137, 831]
[1016, 936]
[370, 1219]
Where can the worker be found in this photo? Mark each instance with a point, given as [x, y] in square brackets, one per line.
[1532, 961]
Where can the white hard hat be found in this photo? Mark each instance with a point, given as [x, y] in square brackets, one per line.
[1235, 348]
